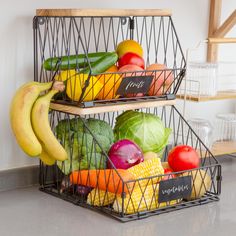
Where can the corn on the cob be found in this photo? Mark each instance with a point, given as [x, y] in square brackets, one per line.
[99, 197]
[148, 168]
[141, 199]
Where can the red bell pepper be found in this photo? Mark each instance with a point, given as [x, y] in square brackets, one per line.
[169, 172]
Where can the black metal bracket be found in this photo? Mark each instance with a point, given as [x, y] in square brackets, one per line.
[170, 97]
[219, 178]
[123, 20]
[41, 20]
[38, 21]
[131, 27]
[88, 104]
[35, 22]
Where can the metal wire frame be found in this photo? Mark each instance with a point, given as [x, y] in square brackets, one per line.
[123, 206]
[55, 37]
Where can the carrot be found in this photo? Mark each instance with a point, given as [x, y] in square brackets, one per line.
[107, 180]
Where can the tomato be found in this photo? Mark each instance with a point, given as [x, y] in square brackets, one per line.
[183, 157]
[131, 58]
[169, 176]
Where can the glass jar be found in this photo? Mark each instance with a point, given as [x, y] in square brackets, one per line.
[204, 78]
[226, 127]
[204, 130]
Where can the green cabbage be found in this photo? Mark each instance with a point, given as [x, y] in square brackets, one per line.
[146, 130]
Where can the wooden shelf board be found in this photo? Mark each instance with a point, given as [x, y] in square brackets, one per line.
[219, 96]
[109, 108]
[102, 12]
[221, 40]
[223, 148]
[220, 148]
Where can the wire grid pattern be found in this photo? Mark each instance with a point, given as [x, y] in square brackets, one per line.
[139, 197]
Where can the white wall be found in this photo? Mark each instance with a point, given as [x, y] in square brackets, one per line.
[16, 50]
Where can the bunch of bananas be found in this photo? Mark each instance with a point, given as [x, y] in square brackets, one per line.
[30, 123]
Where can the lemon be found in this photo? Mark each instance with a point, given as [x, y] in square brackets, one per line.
[75, 84]
[65, 75]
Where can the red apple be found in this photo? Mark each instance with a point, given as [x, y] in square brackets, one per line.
[183, 157]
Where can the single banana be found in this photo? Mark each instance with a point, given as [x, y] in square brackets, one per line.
[20, 116]
[46, 159]
[42, 129]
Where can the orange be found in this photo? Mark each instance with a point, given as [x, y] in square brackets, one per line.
[112, 69]
[129, 46]
[111, 82]
[163, 78]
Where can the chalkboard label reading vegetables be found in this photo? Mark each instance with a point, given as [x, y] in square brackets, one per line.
[134, 84]
[176, 188]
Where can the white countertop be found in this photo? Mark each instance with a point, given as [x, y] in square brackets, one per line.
[31, 212]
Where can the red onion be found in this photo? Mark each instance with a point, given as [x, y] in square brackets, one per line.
[83, 190]
[124, 154]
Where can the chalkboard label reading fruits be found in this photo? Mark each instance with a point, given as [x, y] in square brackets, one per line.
[174, 189]
[134, 85]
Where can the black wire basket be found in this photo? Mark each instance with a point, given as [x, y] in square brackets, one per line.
[69, 46]
[112, 192]
[65, 48]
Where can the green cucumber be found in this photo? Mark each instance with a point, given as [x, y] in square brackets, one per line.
[72, 61]
[102, 64]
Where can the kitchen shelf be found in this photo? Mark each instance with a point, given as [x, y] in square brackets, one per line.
[75, 110]
[198, 98]
[221, 40]
[220, 149]
[223, 148]
[217, 31]
[216, 35]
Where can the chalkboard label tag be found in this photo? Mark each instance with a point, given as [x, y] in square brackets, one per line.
[134, 85]
[176, 188]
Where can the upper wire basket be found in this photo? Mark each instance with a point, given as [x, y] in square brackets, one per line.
[68, 47]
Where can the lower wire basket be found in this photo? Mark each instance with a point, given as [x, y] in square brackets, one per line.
[85, 180]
